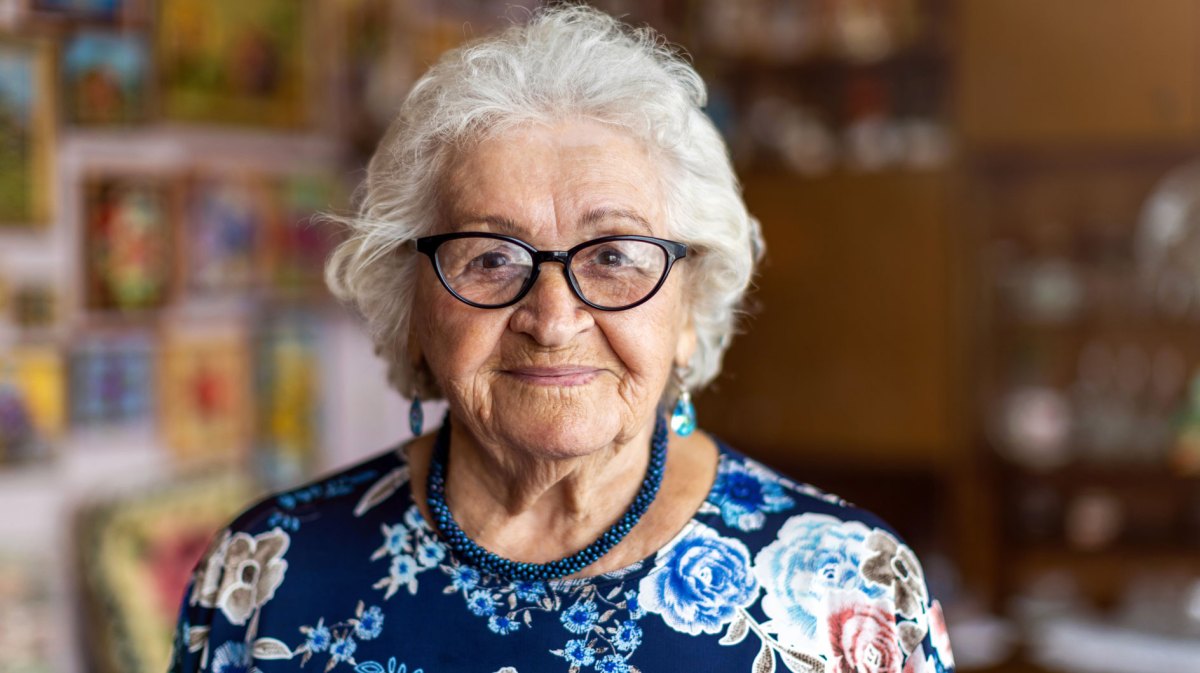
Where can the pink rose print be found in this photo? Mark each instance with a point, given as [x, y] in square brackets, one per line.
[864, 639]
[940, 635]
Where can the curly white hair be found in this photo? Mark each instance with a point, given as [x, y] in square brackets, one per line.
[565, 62]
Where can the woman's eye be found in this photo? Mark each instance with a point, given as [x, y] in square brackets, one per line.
[491, 260]
[611, 258]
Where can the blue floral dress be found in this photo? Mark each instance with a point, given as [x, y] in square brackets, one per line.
[768, 575]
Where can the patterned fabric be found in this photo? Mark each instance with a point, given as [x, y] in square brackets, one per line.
[768, 575]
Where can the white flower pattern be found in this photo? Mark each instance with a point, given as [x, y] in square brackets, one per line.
[770, 574]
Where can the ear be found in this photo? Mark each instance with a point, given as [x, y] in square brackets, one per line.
[685, 346]
[414, 353]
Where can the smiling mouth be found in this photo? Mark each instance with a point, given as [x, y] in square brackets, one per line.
[554, 376]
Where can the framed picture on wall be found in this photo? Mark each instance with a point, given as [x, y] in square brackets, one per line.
[26, 132]
[226, 219]
[32, 402]
[105, 78]
[136, 556]
[205, 375]
[287, 393]
[129, 233]
[27, 610]
[235, 62]
[90, 11]
[111, 377]
[35, 305]
[299, 241]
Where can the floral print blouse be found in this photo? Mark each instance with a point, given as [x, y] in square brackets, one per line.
[768, 575]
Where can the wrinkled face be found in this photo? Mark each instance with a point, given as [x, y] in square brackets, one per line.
[551, 375]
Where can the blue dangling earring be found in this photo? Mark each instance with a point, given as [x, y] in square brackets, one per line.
[416, 416]
[683, 417]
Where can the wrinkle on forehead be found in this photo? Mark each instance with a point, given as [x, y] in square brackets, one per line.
[574, 180]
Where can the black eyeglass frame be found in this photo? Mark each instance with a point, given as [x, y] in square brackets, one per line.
[674, 250]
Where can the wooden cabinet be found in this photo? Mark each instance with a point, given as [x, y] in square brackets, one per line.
[850, 356]
[1054, 72]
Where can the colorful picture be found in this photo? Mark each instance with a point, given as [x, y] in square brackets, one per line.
[105, 77]
[105, 10]
[32, 407]
[288, 402]
[28, 618]
[207, 411]
[111, 379]
[299, 240]
[34, 306]
[26, 132]
[136, 557]
[226, 219]
[376, 71]
[128, 238]
[237, 62]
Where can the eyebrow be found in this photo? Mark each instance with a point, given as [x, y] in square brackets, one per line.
[591, 218]
[596, 215]
[499, 222]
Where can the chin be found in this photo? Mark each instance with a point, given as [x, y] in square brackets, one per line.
[563, 433]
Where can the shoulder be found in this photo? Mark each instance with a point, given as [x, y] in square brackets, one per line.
[285, 532]
[800, 528]
[750, 496]
[351, 491]
[826, 568]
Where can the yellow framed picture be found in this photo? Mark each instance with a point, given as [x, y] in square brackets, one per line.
[27, 122]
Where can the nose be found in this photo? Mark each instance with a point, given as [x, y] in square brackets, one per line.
[551, 314]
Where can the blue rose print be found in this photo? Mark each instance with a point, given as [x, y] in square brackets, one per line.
[636, 611]
[343, 649]
[529, 590]
[745, 492]
[481, 603]
[413, 549]
[628, 636]
[578, 653]
[430, 553]
[580, 618]
[319, 637]
[395, 538]
[464, 578]
[370, 624]
[699, 584]
[814, 556]
[338, 638]
[612, 664]
[502, 624]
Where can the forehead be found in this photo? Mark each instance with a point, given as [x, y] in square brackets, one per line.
[559, 183]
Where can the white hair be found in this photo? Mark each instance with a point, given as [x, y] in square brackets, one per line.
[566, 62]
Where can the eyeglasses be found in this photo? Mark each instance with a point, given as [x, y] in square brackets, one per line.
[611, 273]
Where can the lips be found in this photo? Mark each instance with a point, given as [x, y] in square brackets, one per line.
[567, 375]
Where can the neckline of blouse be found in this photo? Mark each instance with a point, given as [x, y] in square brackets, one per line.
[635, 570]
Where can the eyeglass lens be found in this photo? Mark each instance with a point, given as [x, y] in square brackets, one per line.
[609, 274]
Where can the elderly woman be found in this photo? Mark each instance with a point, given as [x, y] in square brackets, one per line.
[551, 239]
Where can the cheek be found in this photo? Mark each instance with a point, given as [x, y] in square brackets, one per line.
[646, 343]
[455, 339]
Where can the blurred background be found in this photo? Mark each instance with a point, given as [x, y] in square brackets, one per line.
[979, 312]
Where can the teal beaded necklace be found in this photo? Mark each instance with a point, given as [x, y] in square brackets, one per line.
[467, 549]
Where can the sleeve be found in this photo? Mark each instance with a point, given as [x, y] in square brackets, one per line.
[202, 621]
[920, 627]
[843, 592]
[239, 573]
[218, 618]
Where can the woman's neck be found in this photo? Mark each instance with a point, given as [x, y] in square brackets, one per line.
[543, 516]
[533, 508]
